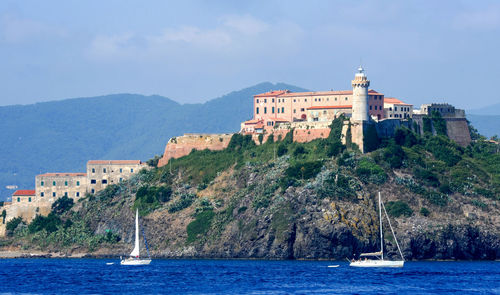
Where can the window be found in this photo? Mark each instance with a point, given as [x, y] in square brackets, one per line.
[390, 108]
[54, 194]
[302, 109]
[121, 179]
[42, 194]
[93, 190]
[272, 100]
[19, 199]
[77, 183]
[265, 110]
[104, 181]
[294, 111]
[395, 108]
[41, 183]
[29, 199]
[315, 99]
[375, 107]
[65, 194]
[324, 112]
[132, 170]
[278, 110]
[328, 99]
[346, 98]
[66, 183]
[272, 110]
[305, 100]
[294, 100]
[282, 109]
[53, 183]
[370, 107]
[121, 170]
[390, 116]
[265, 100]
[256, 111]
[93, 170]
[77, 194]
[103, 170]
[93, 181]
[335, 99]
[257, 100]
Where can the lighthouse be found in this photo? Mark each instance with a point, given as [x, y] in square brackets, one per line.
[360, 86]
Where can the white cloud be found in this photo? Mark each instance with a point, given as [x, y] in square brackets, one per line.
[16, 30]
[235, 36]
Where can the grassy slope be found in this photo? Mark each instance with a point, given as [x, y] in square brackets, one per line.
[244, 202]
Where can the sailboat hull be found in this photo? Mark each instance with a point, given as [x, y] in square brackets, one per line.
[377, 263]
[135, 261]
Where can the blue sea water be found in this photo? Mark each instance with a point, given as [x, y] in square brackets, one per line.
[93, 276]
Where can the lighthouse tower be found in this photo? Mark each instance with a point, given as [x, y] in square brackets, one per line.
[360, 86]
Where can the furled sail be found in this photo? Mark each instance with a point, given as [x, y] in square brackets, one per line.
[372, 254]
[135, 252]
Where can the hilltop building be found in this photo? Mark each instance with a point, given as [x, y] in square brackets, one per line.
[51, 186]
[396, 109]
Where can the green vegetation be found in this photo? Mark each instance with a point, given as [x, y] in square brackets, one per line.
[424, 211]
[184, 201]
[12, 224]
[62, 205]
[369, 171]
[4, 214]
[149, 198]
[398, 208]
[200, 226]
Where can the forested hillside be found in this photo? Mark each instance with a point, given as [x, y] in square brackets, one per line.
[61, 136]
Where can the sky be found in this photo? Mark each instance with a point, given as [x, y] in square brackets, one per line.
[193, 51]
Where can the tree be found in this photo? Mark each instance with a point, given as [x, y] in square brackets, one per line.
[62, 205]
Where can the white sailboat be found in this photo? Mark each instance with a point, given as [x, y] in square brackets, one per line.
[376, 259]
[134, 258]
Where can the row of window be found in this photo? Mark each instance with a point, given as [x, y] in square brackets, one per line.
[54, 183]
[104, 170]
[305, 99]
[403, 109]
[104, 181]
[54, 194]
[282, 109]
[19, 199]
[375, 108]
[405, 115]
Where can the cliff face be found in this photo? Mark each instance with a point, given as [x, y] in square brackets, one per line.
[291, 201]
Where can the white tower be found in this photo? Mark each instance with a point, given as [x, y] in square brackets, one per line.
[360, 86]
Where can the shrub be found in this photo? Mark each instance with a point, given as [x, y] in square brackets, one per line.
[4, 214]
[199, 226]
[48, 223]
[443, 149]
[394, 155]
[242, 209]
[398, 208]
[182, 203]
[445, 188]
[436, 198]
[62, 205]
[369, 171]
[424, 211]
[304, 170]
[261, 201]
[13, 224]
[426, 176]
[299, 150]
[282, 149]
[405, 137]
[334, 149]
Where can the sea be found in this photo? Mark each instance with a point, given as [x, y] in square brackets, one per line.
[107, 276]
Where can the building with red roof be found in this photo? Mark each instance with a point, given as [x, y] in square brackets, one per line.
[397, 109]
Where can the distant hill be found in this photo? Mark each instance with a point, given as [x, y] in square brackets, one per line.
[61, 136]
[486, 125]
[491, 110]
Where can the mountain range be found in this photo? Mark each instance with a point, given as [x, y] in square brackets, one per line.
[61, 136]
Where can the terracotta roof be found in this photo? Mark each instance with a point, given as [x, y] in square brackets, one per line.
[278, 120]
[115, 162]
[272, 93]
[24, 192]
[254, 121]
[259, 126]
[330, 107]
[63, 174]
[287, 93]
[394, 101]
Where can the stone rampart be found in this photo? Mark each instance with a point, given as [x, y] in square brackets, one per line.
[181, 146]
[458, 130]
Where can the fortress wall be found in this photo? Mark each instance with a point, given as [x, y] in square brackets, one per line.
[181, 146]
[27, 211]
[458, 130]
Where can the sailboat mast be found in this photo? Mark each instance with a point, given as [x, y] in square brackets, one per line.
[380, 220]
[137, 229]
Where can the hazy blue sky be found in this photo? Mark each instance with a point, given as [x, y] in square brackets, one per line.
[191, 51]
